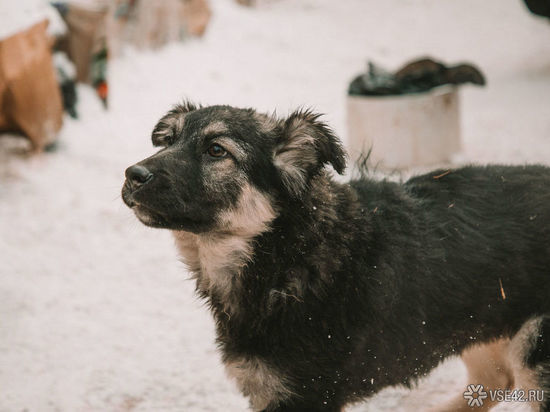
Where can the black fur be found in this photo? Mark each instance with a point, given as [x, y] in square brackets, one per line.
[358, 286]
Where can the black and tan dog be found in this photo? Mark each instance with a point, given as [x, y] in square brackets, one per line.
[323, 293]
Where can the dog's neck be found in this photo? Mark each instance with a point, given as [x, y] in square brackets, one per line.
[216, 258]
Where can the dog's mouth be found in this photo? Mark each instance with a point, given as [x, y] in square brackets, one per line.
[148, 217]
[157, 219]
[145, 214]
[176, 216]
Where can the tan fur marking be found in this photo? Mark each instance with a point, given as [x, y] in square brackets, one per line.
[252, 215]
[257, 380]
[233, 147]
[171, 125]
[267, 122]
[523, 340]
[488, 365]
[187, 244]
[292, 155]
[499, 365]
[218, 257]
[216, 127]
[161, 136]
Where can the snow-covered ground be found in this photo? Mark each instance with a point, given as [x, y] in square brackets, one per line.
[96, 313]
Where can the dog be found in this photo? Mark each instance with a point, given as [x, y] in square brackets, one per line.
[323, 292]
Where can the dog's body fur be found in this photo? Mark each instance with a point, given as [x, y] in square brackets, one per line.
[323, 293]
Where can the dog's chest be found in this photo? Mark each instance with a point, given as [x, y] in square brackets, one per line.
[257, 380]
[216, 263]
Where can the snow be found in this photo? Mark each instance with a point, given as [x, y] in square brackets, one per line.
[19, 15]
[96, 312]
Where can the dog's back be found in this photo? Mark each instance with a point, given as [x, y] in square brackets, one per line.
[463, 257]
[491, 226]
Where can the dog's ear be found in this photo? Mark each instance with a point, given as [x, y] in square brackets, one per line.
[171, 124]
[305, 146]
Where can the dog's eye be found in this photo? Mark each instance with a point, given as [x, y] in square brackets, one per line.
[215, 150]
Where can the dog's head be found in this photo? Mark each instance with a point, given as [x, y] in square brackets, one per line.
[223, 169]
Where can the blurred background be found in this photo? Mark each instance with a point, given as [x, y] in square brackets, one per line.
[96, 312]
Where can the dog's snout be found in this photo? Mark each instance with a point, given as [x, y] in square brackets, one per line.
[138, 175]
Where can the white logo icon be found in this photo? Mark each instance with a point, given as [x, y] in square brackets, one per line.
[474, 395]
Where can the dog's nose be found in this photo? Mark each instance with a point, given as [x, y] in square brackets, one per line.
[138, 175]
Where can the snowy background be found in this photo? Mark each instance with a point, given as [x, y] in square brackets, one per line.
[96, 312]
